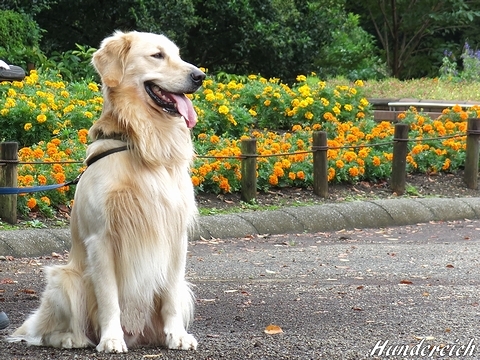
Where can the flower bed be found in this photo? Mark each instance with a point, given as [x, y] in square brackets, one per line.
[49, 118]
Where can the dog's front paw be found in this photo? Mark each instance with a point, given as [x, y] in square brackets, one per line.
[112, 345]
[182, 341]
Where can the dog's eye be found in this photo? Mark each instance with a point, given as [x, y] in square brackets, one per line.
[158, 55]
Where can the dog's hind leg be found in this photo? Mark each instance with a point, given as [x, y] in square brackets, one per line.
[60, 321]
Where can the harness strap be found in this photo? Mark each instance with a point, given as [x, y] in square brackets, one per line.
[97, 157]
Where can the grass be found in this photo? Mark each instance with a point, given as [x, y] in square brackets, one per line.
[424, 89]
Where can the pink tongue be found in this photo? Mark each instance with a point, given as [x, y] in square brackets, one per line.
[185, 108]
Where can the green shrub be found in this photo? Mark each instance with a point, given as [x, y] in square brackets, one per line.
[19, 38]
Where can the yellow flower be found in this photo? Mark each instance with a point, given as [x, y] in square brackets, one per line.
[93, 87]
[4, 112]
[364, 102]
[27, 126]
[68, 109]
[45, 199]
[252, 112]
[223, 109]
[301, 78]
[10, 103]
[359, 83]
[11, 92]
[41, 118]
[267, 102]
[308, 115]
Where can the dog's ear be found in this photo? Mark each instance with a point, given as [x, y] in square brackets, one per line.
[109, 60]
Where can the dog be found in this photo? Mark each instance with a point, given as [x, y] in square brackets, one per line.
[124, 284]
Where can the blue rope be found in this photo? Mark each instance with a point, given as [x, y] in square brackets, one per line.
[26, 190]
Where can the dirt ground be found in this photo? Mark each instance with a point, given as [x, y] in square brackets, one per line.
[418, 185]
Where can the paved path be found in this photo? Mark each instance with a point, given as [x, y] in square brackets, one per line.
[328, 217]
[335, 295]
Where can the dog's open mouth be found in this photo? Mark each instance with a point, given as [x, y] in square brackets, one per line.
[172, 103]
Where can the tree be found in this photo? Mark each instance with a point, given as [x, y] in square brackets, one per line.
[88, 22]
[408, 29]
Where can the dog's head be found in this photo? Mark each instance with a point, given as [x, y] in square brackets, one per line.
[152, 63]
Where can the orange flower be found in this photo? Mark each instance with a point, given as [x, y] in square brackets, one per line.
[301, 175]
[42, 180]
[195, 180]
[28, 179]
[353, 171]
[457, 108]
[214, 139]
[31, 203]
[273, 180]
[331, 174]
[224, 185]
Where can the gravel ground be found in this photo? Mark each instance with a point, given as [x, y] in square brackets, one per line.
[334, 295]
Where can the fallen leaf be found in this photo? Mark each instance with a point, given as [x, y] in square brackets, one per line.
[7, 281]
[356, 308]
[29, 291]
[406, 282]
[360, 287]
[151, 356]
[230, 291]
[450, 266]
[426, 294]
[273, 329]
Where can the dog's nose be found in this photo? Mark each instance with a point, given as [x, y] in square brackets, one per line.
[197, 76]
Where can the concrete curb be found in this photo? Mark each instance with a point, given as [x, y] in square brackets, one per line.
[316, 218]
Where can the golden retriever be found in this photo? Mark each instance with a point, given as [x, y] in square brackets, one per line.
[124, 284]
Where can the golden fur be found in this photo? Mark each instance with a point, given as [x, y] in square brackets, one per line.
[124, 284]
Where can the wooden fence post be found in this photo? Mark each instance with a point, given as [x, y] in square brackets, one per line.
[470, 175]
[399, 162]
[8, 178]
[320, 164]
[249, 170]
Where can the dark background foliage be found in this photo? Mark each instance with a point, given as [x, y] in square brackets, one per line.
[276, 38]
